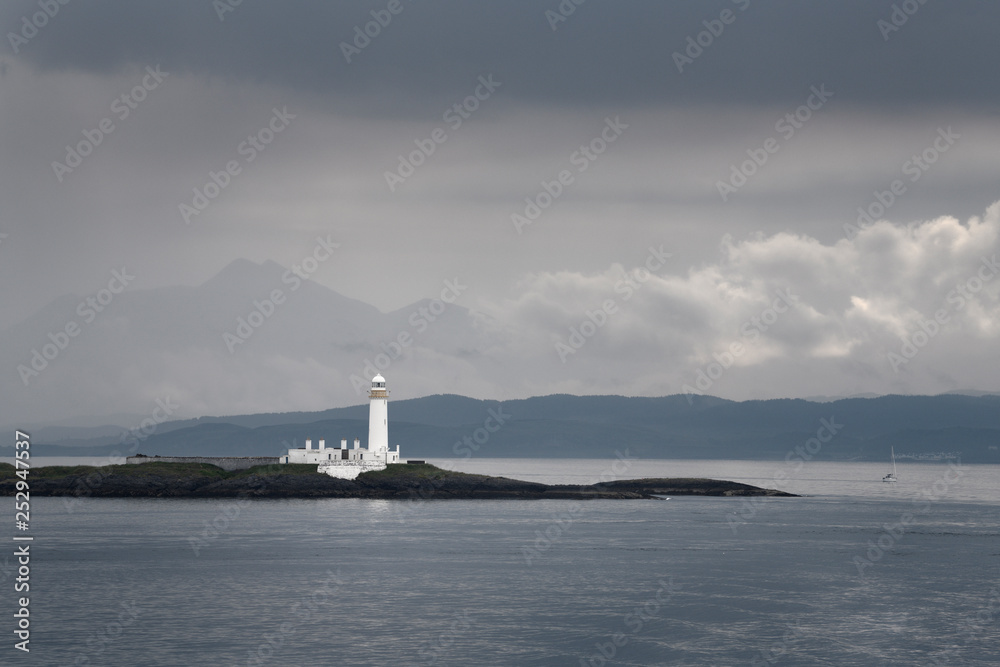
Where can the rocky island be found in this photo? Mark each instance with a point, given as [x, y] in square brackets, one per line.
[397, 481]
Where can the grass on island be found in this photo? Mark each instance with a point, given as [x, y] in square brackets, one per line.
[158, 469]
[418, 470]
[207, 470]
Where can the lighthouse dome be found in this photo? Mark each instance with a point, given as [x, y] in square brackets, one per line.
[378, 382]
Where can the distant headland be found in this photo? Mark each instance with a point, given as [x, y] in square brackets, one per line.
[397, 481]
[921, 428]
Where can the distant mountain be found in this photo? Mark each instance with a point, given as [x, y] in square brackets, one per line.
[918, 427]
[253, 334]
[831, 399]
[257, 337]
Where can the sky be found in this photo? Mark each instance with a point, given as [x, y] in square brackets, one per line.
[743, 198]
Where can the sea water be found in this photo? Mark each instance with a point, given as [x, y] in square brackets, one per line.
[857, 572]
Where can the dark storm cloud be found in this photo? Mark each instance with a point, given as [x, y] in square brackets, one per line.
[891, 91]
[604, 52]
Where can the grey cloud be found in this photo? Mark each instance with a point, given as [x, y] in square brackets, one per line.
[619, 52]
[657, 185]
[809, 317]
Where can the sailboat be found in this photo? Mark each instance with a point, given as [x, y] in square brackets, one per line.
[891, 477]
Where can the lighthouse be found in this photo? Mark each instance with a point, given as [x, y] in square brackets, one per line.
[378, 417]
[345, 463]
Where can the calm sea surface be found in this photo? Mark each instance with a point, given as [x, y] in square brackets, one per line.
[857, 572]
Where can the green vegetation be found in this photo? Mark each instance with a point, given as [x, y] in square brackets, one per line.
[159, 469]
[206, 470]
[163, 479]
[277, 469]
[415, 470]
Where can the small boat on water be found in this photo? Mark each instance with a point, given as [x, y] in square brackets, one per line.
[891, 477]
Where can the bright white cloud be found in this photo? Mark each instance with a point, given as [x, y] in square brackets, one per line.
[856, 302]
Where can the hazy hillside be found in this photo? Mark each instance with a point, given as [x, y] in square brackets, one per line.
[918, 427]
[181, 342]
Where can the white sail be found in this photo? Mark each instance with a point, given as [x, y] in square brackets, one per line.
[891, 477]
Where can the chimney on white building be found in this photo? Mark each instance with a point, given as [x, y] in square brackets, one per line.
[309, 444]
[322, 444]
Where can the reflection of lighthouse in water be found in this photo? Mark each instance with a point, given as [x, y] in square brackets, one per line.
[378, 417]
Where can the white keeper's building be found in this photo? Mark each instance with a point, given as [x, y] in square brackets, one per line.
[349, 463]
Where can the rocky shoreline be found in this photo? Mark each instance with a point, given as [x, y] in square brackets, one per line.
[399, 481]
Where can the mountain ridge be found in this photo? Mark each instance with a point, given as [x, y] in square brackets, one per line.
[564, 425]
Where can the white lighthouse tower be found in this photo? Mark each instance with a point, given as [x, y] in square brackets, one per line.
[346, 463]
[378, 417]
